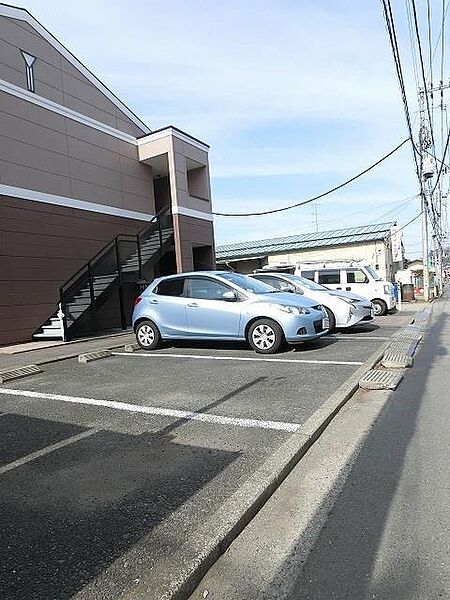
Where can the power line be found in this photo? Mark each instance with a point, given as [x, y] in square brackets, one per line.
[409, 222]
[390, 26]
[442, 163]
[442, 32]
[334, 189]
[422, 68]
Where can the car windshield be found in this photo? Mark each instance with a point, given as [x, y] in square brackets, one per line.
[248, 284]
[307, 283]
[373, 273]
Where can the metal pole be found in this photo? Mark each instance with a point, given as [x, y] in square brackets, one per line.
[426, 272]
[425, 142]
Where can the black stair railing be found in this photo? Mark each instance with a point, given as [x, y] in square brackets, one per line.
[126, 258]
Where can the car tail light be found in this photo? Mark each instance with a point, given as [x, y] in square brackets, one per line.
[138, 299]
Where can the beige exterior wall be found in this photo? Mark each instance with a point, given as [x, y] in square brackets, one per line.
[376, 254]
[184, 157]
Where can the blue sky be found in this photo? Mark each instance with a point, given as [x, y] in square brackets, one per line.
[292, 96]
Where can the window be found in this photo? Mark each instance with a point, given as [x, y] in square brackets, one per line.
[356, 276]
[248, 284]
[206, 289]
[373, 273]
[308, 275]
[29, 65]
[329, 277]
[170, 287]
[279, 284]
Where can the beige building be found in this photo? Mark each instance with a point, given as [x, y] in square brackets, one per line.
[92, 202]
[371, 244]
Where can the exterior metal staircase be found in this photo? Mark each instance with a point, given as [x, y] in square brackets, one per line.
[128, 259]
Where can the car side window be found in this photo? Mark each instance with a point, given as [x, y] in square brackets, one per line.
[308, 275]
[274, 282]
[281, 284]
[170, 287]
[329, 276]
[356, 276]
[203, 288]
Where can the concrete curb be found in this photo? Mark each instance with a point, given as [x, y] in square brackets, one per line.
[93, 355]
[178, 577]
[131, 347]
[48, 361]
[399, 355]
[18, 373]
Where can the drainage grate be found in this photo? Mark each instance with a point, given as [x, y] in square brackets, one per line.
[404, 346]
[95, 355]
[396, 360]
[407, 334]
[377, 379]
[19, 372]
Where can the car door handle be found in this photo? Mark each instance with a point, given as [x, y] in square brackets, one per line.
[193, 305]
[339, 288]
[153, 301]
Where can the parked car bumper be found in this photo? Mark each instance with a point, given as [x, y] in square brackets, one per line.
[300, 328]
[360, 313]
[390, 302]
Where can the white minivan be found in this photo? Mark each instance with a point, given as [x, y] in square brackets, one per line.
[352, 277]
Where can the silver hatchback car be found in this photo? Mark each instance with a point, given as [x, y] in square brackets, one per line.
[218, 305]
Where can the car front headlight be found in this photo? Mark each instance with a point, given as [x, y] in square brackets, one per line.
[292, 310]
[350, 301]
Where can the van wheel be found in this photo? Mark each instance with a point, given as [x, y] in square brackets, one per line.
[379, 307]
[147, 335]
[265, 336]
[331, 318]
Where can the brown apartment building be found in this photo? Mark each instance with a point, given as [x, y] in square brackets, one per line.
[92, 203]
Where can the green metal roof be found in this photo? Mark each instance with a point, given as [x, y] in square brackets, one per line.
[306, 241]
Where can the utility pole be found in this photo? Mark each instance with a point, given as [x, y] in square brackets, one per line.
[427, 168]
[426, 171]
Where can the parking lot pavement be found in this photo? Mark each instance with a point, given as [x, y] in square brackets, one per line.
[110, 466]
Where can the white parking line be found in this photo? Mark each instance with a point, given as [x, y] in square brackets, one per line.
[30, 457]
[239, 358]
[153, 410]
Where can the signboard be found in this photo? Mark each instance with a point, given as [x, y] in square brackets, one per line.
[396, 244]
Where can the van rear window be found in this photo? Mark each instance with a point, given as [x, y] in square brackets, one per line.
[329, 276]
[308, 275]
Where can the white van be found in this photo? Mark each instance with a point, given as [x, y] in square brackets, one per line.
[354, 277]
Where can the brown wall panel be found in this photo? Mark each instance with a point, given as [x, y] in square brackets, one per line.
[41, 246]
[49, 153]
[191, 232]
[55, 77]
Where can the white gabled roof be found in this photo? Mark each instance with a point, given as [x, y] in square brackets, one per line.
[22, 14]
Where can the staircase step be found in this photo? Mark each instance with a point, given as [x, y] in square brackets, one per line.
[48, 336]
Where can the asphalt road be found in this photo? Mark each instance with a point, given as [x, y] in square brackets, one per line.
[109, 466]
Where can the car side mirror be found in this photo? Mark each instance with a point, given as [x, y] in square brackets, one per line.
[229, 296]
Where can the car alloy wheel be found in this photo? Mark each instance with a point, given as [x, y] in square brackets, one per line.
[146, 335]
[379, 308]
[263, 337]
